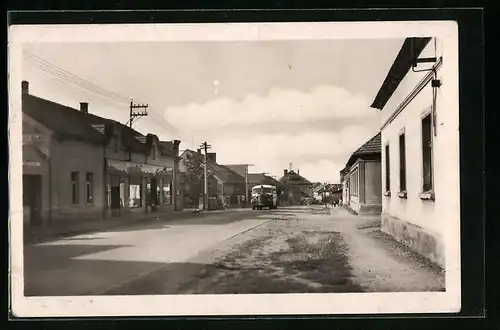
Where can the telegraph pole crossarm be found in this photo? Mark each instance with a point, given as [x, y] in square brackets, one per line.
[141, 113]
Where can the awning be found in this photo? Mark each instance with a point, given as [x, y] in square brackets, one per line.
[131, 168]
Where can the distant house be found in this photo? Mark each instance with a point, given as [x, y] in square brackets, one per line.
[327, 192]
[261, 178]
[222, 181]
[79, 166]
[361, 179]
[420, 154]
[295, 189]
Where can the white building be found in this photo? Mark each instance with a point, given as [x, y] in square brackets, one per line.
[420, 147]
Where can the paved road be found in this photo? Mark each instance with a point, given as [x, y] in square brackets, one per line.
[288, 250]
[95, 263]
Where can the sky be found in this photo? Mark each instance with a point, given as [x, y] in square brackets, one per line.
[265, 103]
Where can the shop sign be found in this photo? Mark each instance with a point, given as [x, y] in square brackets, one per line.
[31, 164]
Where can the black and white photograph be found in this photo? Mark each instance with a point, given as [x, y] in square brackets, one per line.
[234, 169]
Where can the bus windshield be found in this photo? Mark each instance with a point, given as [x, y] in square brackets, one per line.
[259, 190]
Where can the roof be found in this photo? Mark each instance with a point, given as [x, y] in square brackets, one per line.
[222, 172]
[69, 122]
[294, 178]
[167, 148]
[411, 49]
[259, 178]
[370, 147]
[63, 120]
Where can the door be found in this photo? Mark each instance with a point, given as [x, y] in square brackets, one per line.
[154, 194]
[32, 198]
[115, 200]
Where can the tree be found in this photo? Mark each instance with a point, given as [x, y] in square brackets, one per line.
[194, 177]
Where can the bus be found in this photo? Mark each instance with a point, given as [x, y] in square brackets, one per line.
[264, 196]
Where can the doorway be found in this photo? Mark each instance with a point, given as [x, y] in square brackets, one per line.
[32, 198]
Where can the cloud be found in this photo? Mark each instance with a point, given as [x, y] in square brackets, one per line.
[272, 152]
[322, 170]
[279, 106]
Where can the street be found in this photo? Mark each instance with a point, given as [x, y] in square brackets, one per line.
[300, 249]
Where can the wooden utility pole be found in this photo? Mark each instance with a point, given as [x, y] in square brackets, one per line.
[134, 114]
[205, 146]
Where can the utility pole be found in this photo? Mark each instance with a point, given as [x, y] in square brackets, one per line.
[205, 146]
[134, 114]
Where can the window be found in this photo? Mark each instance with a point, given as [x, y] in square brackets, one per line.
[135, 193]
[90, 188]
[427, 153]
[74, 188]
[355, 183]
[167, 193]
[387, 170]
[402, 163]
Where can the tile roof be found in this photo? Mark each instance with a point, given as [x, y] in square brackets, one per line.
[374, 145]
[260, 178]
[371, 147]
[69, 122]
[167, 148]
[63, 120]
[224, 173]
[293, 177]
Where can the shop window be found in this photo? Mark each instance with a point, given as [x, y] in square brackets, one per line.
[354, 183]
[122, 194]
[90, 188]
[75, 188]
[135, 194]
[167, 192]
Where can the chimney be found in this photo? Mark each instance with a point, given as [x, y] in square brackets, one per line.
[298, 172]
[176, 145]
[285, 172]
[198, 151]
[25, 87]
[84, 107]
[212, 156]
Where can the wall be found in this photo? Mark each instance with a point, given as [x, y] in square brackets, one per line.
[36, 143]
[373, 183]
[68, 156]
[422, 223]
[32, 156]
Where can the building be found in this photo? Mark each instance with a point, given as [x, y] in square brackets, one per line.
[361, 179]
[327, 192]
[224, 184]
[344, 181]
[420, 155]
[261, 179]
[79, 166]
[295, 189]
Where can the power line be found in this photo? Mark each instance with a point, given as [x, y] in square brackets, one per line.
[69, 77]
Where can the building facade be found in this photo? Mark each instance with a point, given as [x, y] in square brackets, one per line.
[225, 186]
[420, 154]
[361, 179]
[78, 166]
[294, 188]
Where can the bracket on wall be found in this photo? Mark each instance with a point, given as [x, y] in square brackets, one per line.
[414, 63]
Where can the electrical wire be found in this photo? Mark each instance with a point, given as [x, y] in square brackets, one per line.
[86, 85]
